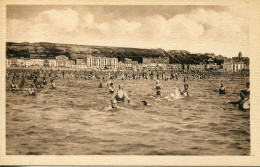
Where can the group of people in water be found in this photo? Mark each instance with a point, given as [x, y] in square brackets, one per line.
[244, 100]
[119, 95]
[145, 74]
[32, 78]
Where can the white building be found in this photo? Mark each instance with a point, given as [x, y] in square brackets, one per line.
[88, 61]
[61, 61]
[101, 62]
[114, 63]
[36, 62]
[27, 62]
[52, 63]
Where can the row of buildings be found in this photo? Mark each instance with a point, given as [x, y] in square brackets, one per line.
[62, 61]
[234, 64]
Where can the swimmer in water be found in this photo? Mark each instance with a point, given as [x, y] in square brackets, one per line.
[244, 94]
[114, 103]
[222, 89]
[185, 92]
[23, 82]
[120, 95]
[53, 84]
[100, 84]
[44, 82]
[32, 90]
[111, 88]
[247, 86]
[144, 103]
[244, 101]
[108, 83]
[158, 88]
[35, 81]
[14, 86]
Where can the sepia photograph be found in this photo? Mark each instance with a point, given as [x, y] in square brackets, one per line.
[165, 80]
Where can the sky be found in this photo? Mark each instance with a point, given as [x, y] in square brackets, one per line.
[222, 30]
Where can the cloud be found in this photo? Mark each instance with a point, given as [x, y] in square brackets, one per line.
[127, 27]
[89, 20]
[224, 32]
[220, 24]
[120, 26]
[66, 20]
[103, 27]
[178, 27]
[27, 31]
[199, 30]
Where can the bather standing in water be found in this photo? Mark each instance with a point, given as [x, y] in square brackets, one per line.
[244, 101]
[222, 89]
[120, 95]
[185, 92]
[32, 90]
[248, 89]
[44, 82]
[23, 82]
[109, 83]
[14, 86]
[53, 86]
[100, 84]
[158, 88]
[111, 88]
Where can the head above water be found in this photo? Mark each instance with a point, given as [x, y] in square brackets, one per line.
[186, 86]
[247, 84]
[114, 103]
[121, 86]
[144, 103]
[221, 84]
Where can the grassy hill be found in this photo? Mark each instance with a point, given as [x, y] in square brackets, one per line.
[50, 50]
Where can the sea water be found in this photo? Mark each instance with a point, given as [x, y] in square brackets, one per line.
[75, 119]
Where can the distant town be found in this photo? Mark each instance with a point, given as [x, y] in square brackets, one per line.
[90, 61]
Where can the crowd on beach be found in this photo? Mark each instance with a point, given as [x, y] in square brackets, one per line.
[31, 80]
